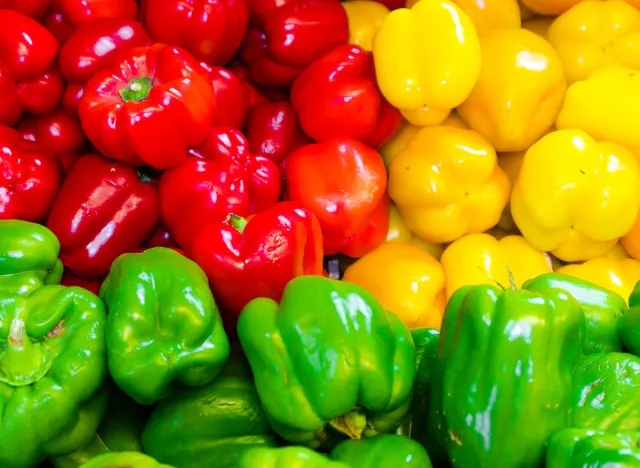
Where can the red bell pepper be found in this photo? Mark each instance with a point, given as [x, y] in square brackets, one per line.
[160, 238]
[232, 96]
[71, 98]
[91, 285]
[29, 177]
[285, 36]
[211, 30]
[255, 95]
[343, 182]
[104, 209]
[220, 177]
[337, 96]
[148, 107]
[58, 132]
[257, 257]
[393, 4]
[35, 9]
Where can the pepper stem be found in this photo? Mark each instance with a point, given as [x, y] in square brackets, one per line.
[238, 222]
[351, 424]
[22, 363]
[137, 90]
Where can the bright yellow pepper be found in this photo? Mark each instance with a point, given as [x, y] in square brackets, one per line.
[519, 92]
[549, 7]
[446, 183]
[425, 117]
[482, 259]
[616, 275]
[406, 280]
[606, 106]
[631, 242]
[617, 252]
[525, 12]
[427, 56]
[575, 197]
[365, 17]
[454, 120]
[539, 25]
[399, 232]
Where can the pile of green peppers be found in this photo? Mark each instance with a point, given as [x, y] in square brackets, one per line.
[145, 376]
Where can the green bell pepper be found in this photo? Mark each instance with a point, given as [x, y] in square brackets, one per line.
[163, 325]
[287, 457]
[502, 379]
[28, 257]
[629, 323]
[384, 450]
[606, 392]
[602, 309]
[579, 448]
[426, 343]
[218, 421]
[328, 361]
[52, 366]
[123, 460]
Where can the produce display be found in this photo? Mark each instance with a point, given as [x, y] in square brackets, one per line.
[319, 233]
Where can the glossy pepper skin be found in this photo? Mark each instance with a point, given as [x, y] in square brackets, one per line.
[148, 107]
[246, 259]
[318, 338]
[29, 177]
[147, 357]
[283, 38]
[365, 18]
[629, 323]
[588, 447]
[543, 202]
[220, 176]
[491, 14]
[287, 457]
[218, 421]
[504, 367]
[42, 337]
[383, 450]
[103, 210]
[548, 7]
[337, 96]
[232, 96]
[211, 30]
[399, 232]
[118, 459]
[602, 309]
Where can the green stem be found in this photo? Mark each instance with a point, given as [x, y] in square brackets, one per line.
[238, 222]
[137, 90]
[351, 424]
[22, 362]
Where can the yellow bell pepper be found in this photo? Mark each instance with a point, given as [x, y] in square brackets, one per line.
[549, 7]
[482, 259]
[365, 17]
[595, 34]
[399, 232]
[425, 117]
[631, 242]
[427, 56]
[525, 12]
[519, 92]
[616, 275]
[406, 280]
[575, 197]
[539, 25]
[446, 183]
[617, 252]
[454, 120]
[606, 106]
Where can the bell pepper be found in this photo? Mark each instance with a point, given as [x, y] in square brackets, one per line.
[631, 242]
[575, 196]
[52, 365]
[220, 176]
[284, 37]
[29, 81]
[287, 457]
[399, 232]
[588, 447]
[406, 280]
[211, 31]
[604, 106]
[383, 450]
[35, 9]
[345, 192]
[365, 18]
[123, 459]
[398, 142]
[629, 323]
[160, 238]
[539, 25]
[148, 107]
[548, 7]
[504, 367]
[92, 285]
[103, 210]
[71, 98]
[606, 392]
[245, 259]
[329, 360]
[447, 183]
[232, 96]
[492, 14]
[483, 259]
[152, 346]
[28, 257]
[433, 32]
[29, 177]
[499, 107]
[58, 132]
[337, 96]
[218, 421]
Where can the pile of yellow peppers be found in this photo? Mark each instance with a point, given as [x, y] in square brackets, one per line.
[520, 151]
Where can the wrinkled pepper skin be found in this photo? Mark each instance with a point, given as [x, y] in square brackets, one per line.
[123, 459]
[383, 450]
[287, 457]
[504, 367]
[163, 326]
[602, 309]
[148, 106]
[102, 211]
[218, 421]
[232, 96]
[578, 448]
[318, 338]
[28, 257]
[629, 323]
[52, 364]
[606, 392]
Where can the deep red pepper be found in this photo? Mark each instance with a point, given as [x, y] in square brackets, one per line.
[91, 285]
[255, 96]
[257, 257]
[148, 107]
[232, 96]
[220, 176]
[103, 210]
[35, 9]
[211, 30]
[58, 132]
[29, 177]
[393, 4]
[71, 98]
[160, 238]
